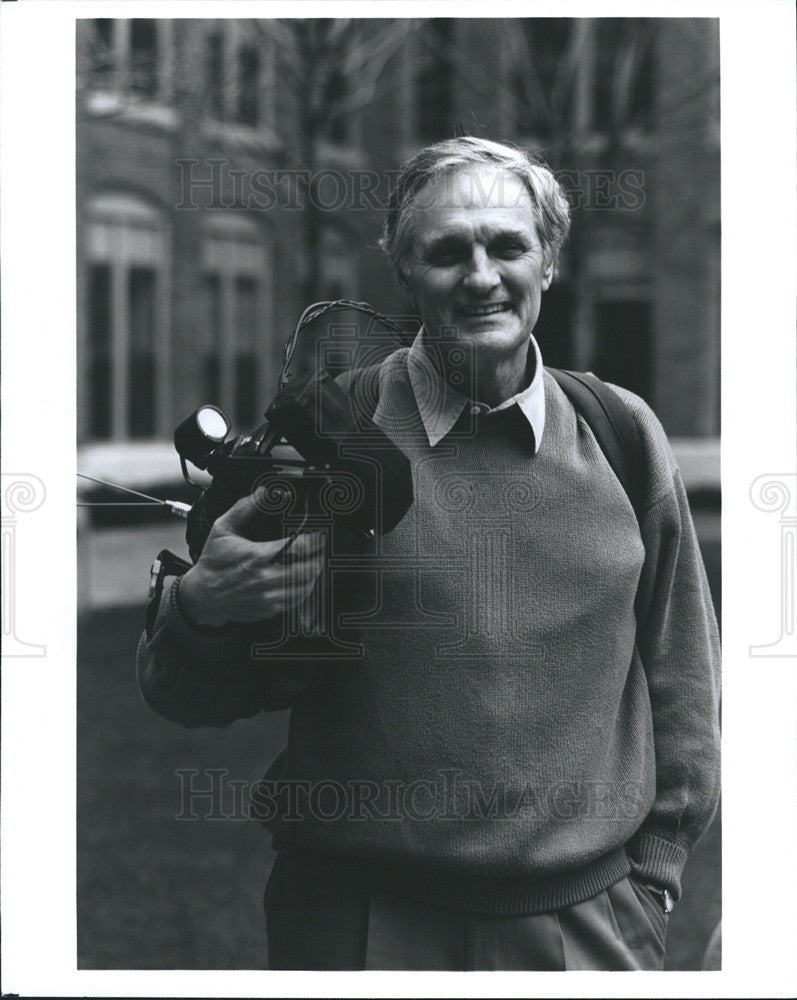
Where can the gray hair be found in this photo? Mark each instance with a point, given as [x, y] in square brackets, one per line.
[551, 209]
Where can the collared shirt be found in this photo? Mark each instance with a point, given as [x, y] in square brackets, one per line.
[441, 405]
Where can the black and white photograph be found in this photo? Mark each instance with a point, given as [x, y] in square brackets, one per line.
[402, 401]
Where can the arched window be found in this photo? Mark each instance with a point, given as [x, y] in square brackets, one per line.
[235, 342]
[126, 364]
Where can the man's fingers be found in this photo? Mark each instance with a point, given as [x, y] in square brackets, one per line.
[299, 572]
[246, 511]
[296, 548]
[277, 599]
[308, 543]
[243, 512]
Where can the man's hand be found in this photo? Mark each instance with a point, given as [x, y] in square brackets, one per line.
[238, 580]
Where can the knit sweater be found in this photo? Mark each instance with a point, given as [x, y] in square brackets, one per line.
[530, 707]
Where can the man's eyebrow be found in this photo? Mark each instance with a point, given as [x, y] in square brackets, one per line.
[458, 236]
[446, 239]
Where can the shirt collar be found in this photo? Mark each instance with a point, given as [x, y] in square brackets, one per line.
[440, 405]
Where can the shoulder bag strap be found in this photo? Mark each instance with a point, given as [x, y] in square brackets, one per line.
[613, 425]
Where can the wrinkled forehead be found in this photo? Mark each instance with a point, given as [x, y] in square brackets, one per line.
[479, 192]
[474, 187]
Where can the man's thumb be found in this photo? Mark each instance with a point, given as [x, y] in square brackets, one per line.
[243, 511]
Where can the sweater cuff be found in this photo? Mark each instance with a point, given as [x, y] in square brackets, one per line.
[656, 858]
[208, 643]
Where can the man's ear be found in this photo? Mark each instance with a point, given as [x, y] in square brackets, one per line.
[404, 281]
[547, 275]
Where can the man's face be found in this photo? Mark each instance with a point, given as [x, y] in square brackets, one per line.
[475, 262]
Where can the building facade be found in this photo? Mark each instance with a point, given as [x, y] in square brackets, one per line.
[231, 171]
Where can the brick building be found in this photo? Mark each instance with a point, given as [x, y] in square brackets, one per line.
[199, 242]
[190, 278]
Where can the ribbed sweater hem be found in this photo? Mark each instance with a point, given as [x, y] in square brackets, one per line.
[495, 897]
[655, 858]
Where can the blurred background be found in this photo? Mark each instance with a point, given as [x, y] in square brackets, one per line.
[231, 172]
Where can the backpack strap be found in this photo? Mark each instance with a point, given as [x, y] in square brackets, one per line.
[613, 425]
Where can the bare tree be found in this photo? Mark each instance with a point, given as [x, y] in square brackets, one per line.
[332, 69]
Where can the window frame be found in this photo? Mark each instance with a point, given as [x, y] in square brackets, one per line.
[124, 231]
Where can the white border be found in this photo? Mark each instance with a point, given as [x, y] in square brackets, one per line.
[38, 380]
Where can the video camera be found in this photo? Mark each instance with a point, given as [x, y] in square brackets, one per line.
[349, 478]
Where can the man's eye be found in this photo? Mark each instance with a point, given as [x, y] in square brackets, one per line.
[508, 248]
[445, 255]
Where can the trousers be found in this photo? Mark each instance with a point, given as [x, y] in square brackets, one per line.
[327, 924]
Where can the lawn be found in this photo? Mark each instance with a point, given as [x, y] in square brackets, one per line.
[158, 892]
[154, 891]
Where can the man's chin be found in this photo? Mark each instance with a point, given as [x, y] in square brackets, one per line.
[498, 320]
[498, 336]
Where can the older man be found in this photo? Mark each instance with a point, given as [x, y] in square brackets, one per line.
[513, 772]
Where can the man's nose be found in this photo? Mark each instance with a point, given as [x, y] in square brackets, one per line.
[482, 275]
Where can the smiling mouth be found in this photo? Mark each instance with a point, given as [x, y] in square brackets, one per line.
[483, 310]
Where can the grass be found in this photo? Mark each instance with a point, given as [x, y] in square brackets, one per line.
[157, 892]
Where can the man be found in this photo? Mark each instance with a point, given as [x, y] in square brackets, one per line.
[512, 774]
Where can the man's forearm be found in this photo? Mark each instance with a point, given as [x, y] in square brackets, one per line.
[679, 646]
[207, 676]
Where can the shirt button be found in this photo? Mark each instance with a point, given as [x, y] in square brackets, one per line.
[475, 410]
